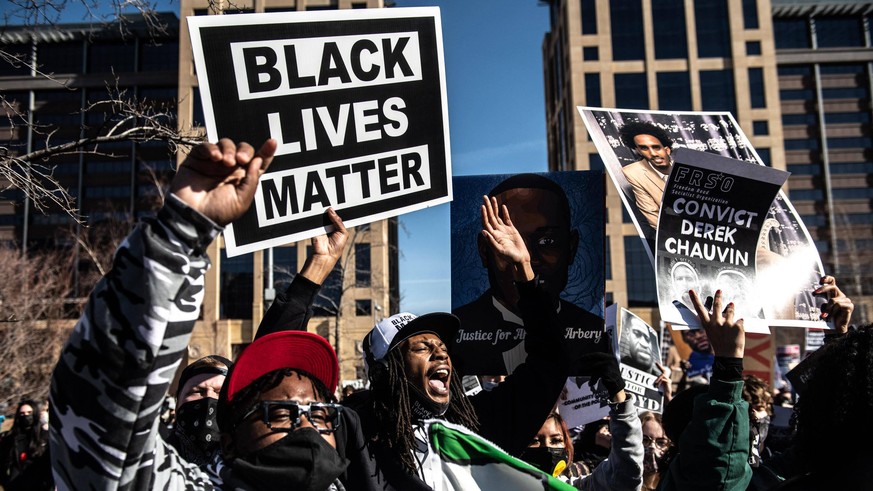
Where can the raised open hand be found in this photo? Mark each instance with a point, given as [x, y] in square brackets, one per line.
[726, 336]
[504, 239]
[838, 308]
[219, 180]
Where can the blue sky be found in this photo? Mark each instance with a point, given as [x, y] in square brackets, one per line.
[496, 122]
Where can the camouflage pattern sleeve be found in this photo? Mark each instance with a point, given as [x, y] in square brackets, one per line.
[117, 366]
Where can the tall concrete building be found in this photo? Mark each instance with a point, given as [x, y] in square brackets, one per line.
[770, 64]
[364, 287]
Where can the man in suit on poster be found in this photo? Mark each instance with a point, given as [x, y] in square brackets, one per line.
[648, 176]
[540, 210]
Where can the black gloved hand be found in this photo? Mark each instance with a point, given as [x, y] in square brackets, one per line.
[604, 367]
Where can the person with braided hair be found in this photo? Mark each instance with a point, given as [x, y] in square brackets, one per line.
[409, 363]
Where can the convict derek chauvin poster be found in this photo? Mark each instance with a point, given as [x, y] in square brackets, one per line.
[356, 100]
[713, 212]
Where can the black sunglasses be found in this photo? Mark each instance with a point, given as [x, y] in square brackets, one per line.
[285, 415]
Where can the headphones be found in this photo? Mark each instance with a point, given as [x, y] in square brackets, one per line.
[377, 370]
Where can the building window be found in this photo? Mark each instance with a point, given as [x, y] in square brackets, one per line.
[607, 259]
[713, 37]
[839, 32]
[791, 33]
[19, 52]
[111, 56]
[750, 14]
[753, 48]
[592, 89]
[284, 266]
[760, 128]
[717, 90]
[589, 16]
[764, 153]
[639, 272]
[362, 265]
[626, 18]
[363, 307]
[595, 162]
[631, 91]
[236, 287]
[60, 57]
[668, 17]
[159, 55]
[674, 91]
[756, 88]
[589, 53]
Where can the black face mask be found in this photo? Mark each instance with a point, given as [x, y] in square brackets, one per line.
[24, 421]
[301, 460]
[197, 420]
[546, 459]
[423, 407]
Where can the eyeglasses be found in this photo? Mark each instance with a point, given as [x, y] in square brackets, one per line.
[285, 415]
[660, 442]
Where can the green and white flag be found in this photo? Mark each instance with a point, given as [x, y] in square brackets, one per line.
[470, 462]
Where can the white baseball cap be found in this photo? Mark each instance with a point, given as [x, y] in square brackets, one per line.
[393, 330]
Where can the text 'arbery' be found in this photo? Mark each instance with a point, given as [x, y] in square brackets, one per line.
[299, 66]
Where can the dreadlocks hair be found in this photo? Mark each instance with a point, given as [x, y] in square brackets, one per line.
[230, 414]
[630, 130]
[393, 409]
[835, 407]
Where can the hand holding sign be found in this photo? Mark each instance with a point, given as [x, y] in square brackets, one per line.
[219, 180]
[838, 308]
[326, 250]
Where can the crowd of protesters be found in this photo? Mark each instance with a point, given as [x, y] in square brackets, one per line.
[271, 419]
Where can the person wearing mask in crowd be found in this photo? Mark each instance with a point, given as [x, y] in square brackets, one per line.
[24, 452]
[275, 408]
[757, 393]
[413, 379]
[655, 446]
[195, 431]
[829, 449]
[710, 424]
[623, 468]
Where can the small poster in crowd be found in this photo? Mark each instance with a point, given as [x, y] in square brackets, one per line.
[640, 352]
[579, 404]
[560, 217]
[708, 239]
[356, 100]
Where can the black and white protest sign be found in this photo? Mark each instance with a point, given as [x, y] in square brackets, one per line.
[712, 214]
[356, 100]
[639, 352]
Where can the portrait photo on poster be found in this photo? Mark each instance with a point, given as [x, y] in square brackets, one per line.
[560, 218]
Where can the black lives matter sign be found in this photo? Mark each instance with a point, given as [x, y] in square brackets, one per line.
[356, 100]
